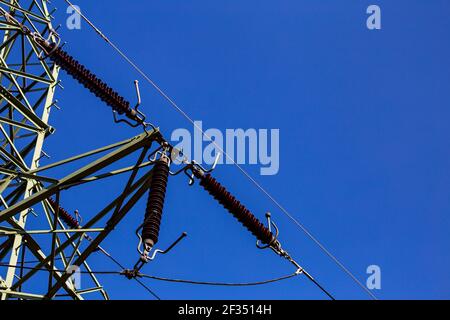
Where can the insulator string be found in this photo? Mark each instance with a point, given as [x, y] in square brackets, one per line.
[155, 203]
[90, 81]
[171, 101]
[65, 216]
[237, 209]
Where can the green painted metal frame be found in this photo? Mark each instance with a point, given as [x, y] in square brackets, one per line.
[135, 190]
[27, 91]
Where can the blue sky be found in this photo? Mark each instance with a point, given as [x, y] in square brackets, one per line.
[364, 149]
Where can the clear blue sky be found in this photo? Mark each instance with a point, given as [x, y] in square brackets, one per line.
[363, 118]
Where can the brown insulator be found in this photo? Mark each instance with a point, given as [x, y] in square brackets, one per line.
[237, 209]
[90, 81]
[155, 203]
[65, 216]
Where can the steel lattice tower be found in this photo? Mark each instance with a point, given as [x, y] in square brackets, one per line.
[27, 92]
[30, 60]
[27, 89]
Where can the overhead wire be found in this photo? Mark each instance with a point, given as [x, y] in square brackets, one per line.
[22, 266]
[120, 265]
[73, 223]
[241, 169]
[87, 272]
[142, 275]
[223, 284]
[60, 271]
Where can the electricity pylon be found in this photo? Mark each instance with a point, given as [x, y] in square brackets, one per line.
[27, 91]
[30, 59]
[27, 87]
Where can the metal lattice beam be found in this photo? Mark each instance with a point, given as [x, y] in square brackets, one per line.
[20, 69]
[27, 88]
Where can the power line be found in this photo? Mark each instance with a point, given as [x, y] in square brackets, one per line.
[87, 272]
[223, 284]
[318, 285]
[239, 284]
[120, 265]
[148, 289]
[60, 271]
[141, 275]
[107, 254]
[243, 171]
[38, 261]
